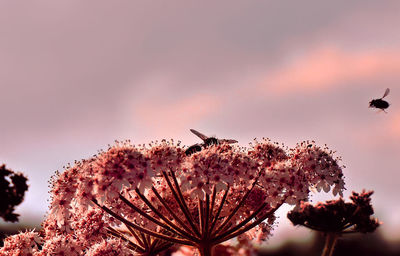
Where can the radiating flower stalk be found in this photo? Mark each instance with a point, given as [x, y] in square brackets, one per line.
[335, 218]
[203, 232]
[140, 200]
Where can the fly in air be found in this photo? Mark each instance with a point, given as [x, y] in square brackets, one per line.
[380, 103]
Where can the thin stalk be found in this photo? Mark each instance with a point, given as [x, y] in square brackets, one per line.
[144, 230]
[153, 244]
[132, 245]
[243, 223]
[182, 204]
[147, 216]
[165, 219]
[135, 235]
[212, 203]
[250, 226]
[207, 216]
[179, 192]
[178, 189]
[228, 226]
[174, 216]
[201, 218]
[146, 244]
[150, 243]
[330, 242]
[215, 219]
[235, 210]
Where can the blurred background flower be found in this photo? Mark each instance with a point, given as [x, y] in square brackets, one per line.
[12, 190]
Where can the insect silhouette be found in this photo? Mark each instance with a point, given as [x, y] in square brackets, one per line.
[193, 149]
[207, 141]
[380, 103]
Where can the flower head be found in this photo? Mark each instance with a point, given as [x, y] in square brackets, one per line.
[22, 244]
[152, 196]
[337, 216]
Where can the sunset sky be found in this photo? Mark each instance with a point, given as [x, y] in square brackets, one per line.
[76, 75]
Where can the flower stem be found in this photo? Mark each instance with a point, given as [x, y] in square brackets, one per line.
[205, 250]
[330, 242]
[226, 221]
[181, 201]
[215, 218]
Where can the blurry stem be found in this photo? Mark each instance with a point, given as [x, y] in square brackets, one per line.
[330, 243]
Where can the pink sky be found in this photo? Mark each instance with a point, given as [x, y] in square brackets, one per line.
[76, 75]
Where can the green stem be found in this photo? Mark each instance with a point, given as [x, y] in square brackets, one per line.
[330, 242]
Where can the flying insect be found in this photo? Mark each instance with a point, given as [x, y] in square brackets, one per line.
[380, 103]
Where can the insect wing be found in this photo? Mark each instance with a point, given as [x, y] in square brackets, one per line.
[228, 141]
[200, 135]
[386, 93]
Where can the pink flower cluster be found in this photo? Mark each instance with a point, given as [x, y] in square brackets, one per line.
[247, 183]
[25, 243]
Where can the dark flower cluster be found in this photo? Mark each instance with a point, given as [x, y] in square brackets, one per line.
[12, 191]
[336, 216]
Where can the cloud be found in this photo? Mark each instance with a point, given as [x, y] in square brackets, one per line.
[393, 126]
[162, 116]
[330, 66]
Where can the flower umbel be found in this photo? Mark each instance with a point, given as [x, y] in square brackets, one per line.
[220, 193]
[143, 199]
[336, 217]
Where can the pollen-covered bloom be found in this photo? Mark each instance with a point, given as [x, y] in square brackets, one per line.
[150, 197]
[22, 244]
[109, 247]
[320, 167]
